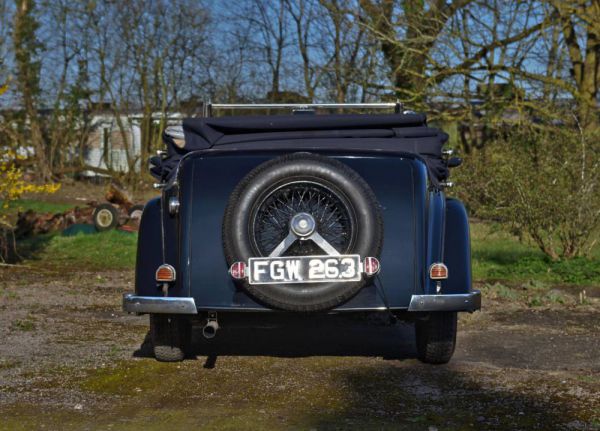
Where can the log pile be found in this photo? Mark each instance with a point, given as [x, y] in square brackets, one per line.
[30, 223]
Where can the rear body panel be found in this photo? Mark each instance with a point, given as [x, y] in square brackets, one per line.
[398, 183]
[414, 231]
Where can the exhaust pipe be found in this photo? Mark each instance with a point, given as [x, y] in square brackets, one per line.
[210, 329]
[212, 326]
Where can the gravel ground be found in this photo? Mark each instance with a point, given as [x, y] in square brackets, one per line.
[70, 359]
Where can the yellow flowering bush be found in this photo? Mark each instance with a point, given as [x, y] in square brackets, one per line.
[12, 186]
[12, 179]
[12, 182]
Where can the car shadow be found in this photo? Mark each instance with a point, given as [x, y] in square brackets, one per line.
[301, 336]
[395, 394]
[419, 397]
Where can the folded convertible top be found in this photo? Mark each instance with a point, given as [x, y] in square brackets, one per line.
[401, 133]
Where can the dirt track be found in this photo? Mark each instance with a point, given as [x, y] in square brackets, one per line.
[71, 359]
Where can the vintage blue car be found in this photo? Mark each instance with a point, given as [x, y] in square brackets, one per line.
[303, 213]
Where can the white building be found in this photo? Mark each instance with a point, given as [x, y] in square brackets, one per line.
[107, 144]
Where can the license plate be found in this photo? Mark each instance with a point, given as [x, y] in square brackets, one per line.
[304, 269]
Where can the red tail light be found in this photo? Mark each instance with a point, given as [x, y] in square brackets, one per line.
[438, 271]
[238, 270]
[371, 266]
[165, 273]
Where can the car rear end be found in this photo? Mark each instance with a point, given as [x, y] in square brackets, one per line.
[279, 216]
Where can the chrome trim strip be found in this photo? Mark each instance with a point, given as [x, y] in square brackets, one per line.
[158, 304]
[301, 105]
[456, 302]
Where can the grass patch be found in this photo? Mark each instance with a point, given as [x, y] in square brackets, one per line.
[533, 293]
[21, 205]
[498, 255]
[504, 292]
[25, 325]
[107, 250]
[6, 364]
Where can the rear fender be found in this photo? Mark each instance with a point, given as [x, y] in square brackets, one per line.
[149, 250]
[457, 249]
[157, 244]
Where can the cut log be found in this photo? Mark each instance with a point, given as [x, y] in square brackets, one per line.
[118, 196]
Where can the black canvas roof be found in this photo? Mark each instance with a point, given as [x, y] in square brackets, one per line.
[206, 132]
[401, 133]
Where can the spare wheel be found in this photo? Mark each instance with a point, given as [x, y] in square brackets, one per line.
[280, 201]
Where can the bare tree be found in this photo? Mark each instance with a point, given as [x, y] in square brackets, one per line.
[5, 25]
[346, 43]
[579, 23]
[464, 61]
[304, 15]
[143, 65]
[408, 32]
[27, 70]
[268, 25]
[420, 41]
[159, 51]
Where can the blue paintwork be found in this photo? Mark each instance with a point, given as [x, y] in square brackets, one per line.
[414, 219]
[149, 250]
[435, 234]
[457, 248]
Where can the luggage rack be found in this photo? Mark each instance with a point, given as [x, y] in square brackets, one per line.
[302, 108]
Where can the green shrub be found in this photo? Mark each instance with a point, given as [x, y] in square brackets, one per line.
[543, 183]
[577, 270]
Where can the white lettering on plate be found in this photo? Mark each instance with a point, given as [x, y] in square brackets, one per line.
[293, 269]
[257, 271]
[277, 270]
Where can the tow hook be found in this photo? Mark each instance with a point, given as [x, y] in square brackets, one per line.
[212, 325]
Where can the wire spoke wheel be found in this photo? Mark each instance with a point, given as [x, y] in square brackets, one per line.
[333, 216]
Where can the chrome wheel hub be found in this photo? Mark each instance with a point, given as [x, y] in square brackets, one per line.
[303, 225]
[104, 217]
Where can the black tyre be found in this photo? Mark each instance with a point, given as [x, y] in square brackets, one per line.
[344, 209]
[436, 337]
[170, 337]
[105, 217]
[135, 212]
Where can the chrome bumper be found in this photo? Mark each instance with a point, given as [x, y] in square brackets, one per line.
[158, 304]
[458, 302]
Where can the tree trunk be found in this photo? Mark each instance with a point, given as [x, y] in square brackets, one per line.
[585, 61]
[28, 80]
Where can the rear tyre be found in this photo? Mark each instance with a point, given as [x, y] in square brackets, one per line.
[436, 337]
[170, 337]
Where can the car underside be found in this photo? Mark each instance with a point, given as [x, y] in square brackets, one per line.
[340, 213]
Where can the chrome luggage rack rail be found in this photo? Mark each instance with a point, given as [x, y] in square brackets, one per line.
[209, 107]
